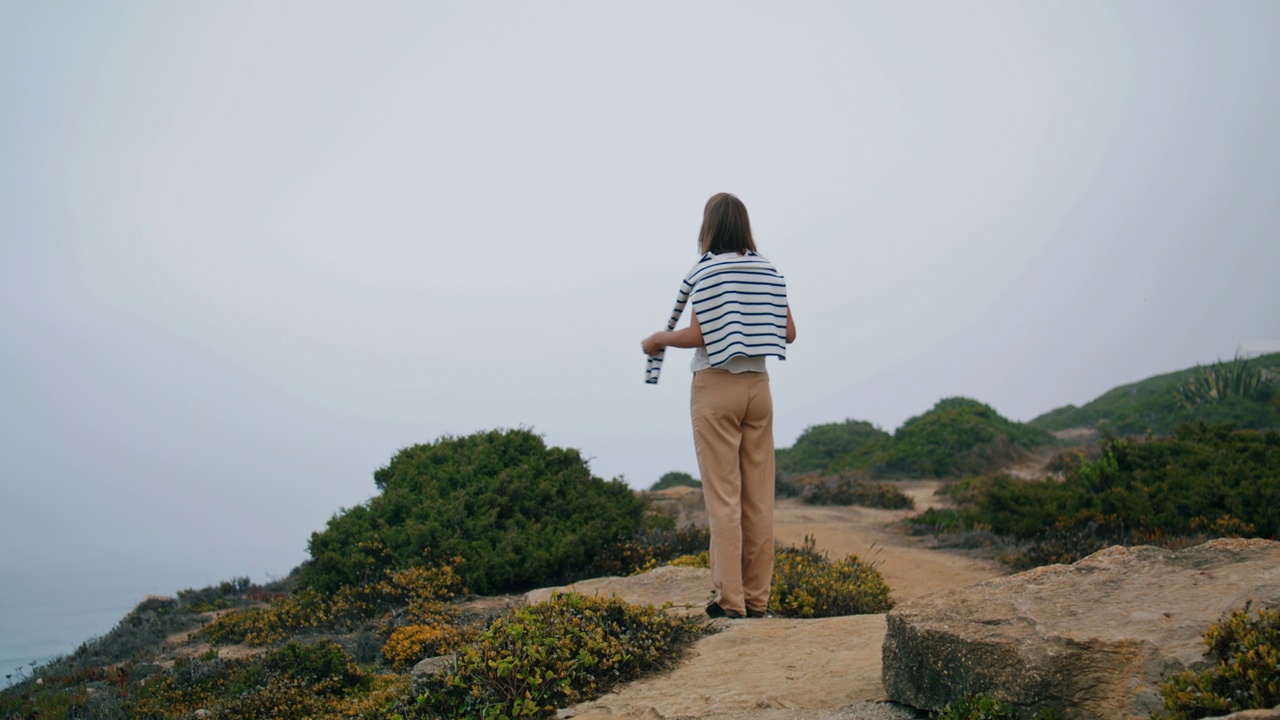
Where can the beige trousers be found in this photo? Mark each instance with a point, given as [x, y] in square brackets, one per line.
[733, 435]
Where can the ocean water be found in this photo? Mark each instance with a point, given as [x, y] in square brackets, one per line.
[47, 614]
[39, 632]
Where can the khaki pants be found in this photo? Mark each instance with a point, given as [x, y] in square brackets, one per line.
[733, 435]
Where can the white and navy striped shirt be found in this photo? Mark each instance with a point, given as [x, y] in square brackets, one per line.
[741, 304]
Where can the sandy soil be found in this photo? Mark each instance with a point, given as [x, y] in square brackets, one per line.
[822, 669]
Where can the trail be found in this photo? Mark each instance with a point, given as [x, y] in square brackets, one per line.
[775, 668]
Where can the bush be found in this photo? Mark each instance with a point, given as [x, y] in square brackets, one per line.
[832, 447]
[215, 597]
[521, 514]
[567, 650]
[675, 479]
[844, 489]
[295, 681]
[648, 549]
[958, 436]
[806, 583]
[1203, 482]
[1246, 648]
[409, 644]
[421, 591]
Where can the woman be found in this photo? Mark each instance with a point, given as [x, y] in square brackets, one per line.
[739, 316]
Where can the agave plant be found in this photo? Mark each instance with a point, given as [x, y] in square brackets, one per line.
[1217, 382]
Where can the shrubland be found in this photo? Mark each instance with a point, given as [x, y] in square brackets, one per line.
[831, 448]
[844, 489]
[957, 436]
[1202, 482]
[518, 513]
[382, 591]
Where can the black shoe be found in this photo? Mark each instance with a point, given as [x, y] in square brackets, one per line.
[714, 610]
[757, 613]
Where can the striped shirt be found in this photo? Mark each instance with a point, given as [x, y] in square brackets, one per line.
[741, 304]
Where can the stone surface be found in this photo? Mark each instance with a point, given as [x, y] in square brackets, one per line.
[1091, 640]
[683, 503]
[687, 589]
[428, 667]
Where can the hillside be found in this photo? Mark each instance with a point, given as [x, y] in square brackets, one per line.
[957, 436]
[1161, 403]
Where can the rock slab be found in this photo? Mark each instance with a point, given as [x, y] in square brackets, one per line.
[1089, 640]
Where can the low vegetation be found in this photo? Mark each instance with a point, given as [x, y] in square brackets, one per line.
[832, 448]
[843, 489]
[675, 479]
[567, 650]
[1245, 650]
[956, 437]
[1203, 482]
[519, 514]
[417, 597]
[807, 583]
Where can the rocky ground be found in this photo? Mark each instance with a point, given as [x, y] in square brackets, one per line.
[775, 668]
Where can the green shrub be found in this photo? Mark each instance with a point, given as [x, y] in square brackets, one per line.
[294, 681]
[1219, 382]
[831, 448]
[649, 548]
[676, 479]
[807, 583]
[844, 489]
[567, 650]
[1069, 540]
[420, 593]
[215, 597]
[1203, 482]
[958, 436]
[324, 665]
[521, 514]
[1246, 650]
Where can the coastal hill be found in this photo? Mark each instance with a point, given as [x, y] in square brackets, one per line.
[1245, 392]
[444, 564]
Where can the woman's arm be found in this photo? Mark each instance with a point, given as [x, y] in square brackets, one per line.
[791, 327]
[687, 337]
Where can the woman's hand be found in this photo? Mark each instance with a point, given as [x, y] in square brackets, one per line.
[652, 345]
[686, 337]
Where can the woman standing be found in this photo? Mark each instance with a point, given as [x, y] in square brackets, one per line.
[739, 316]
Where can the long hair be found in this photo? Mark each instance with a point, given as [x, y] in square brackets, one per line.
[725, 226]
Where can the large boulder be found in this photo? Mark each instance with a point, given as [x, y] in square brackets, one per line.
[1090, 640]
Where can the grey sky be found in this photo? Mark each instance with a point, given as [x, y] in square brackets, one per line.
[249, 250]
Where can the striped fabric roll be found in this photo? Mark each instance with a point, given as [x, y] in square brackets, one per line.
[741, 304]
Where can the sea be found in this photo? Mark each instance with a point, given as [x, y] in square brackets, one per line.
[46, 615]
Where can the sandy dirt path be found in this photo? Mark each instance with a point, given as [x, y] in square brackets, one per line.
[775, 668]
[908, 565]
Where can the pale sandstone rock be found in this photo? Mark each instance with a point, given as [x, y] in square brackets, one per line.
[687, 589]
[427, 667]
[1092, 640]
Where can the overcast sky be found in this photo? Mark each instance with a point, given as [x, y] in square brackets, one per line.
[249, 250]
